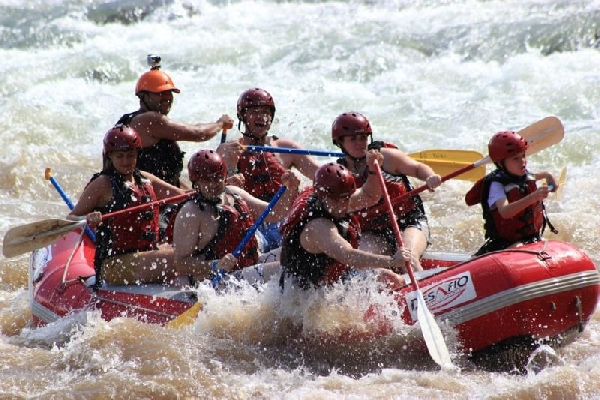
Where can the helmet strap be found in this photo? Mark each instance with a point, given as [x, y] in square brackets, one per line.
[255, 140]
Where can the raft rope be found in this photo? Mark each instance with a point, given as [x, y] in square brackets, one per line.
[68, 263]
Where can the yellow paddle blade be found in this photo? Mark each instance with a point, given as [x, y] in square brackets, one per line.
[562, 180]
[188, 317]
[560, 183]
[444, 162]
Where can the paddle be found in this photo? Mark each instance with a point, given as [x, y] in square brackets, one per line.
[26, 238]
[539, 136]
[431, 331]
[29, 237]
[224, 135]
[189, 316]
[251, 231]
[63, 194]
[560, 184]
[185, 318]
[441, 161]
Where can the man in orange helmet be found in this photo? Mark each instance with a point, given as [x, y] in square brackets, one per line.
[160, 154]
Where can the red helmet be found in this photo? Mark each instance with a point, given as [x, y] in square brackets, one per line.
[254, 98]
[207, 165]
[504, 145]
[349, 124]
[334, 180]
[155, 81]
[121, 138]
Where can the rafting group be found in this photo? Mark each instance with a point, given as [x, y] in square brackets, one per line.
[316, 236]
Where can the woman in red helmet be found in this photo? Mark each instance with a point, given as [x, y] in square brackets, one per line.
[512, 204]
[127, 250]
[352, 133]
[260, 172]
[160, 154]
[213, 222]
[320, 234]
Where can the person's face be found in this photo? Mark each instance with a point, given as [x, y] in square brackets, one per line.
[124, 161]
[160, 102]
[258, 120]
[356, 145]
[338, 208]
[517, 164]
[211, 189]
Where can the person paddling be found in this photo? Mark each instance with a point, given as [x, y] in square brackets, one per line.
[260, 173]
[127, 250]
[214, 221]
[321, 234]
[160, 153]
[511, 201]
[352, 132]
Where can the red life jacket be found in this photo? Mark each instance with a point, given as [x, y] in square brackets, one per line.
[262, 173]
[131, 231]
[526, 225]
[375, 218]
[309, 268]
[234, 223]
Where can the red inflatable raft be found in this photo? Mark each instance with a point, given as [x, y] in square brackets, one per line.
[546, 290]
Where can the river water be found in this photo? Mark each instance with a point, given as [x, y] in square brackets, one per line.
[428, 74]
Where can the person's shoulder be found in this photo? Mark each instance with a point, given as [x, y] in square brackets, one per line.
[143, 122]
[287, 143]
[238, 191]
[102, 181]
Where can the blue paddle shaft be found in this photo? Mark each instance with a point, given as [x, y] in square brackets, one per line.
[259, 221]
[70, 205]
[323, 153]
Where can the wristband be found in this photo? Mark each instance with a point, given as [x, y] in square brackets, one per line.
[213, 266]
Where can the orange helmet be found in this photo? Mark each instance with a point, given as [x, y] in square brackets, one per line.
[155, 81]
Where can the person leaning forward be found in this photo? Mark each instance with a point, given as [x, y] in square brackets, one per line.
[321, 235]
[214, 221]
[127, 249]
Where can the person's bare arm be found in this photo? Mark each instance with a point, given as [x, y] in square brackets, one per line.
[192, 231]
[153, 126]
[305, 164]
[370, 193]
[321, 236]
[281, 208]
[509, 210]
[97, 194]
[396, 162]
[161, 188]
